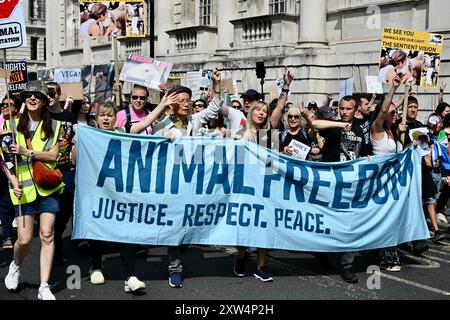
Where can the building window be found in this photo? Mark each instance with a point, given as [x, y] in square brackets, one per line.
[36, 9]
[277, 6]
[133, 46]
[75, 23]
[205, 12]
[186, 40]
[45, 49]
[34, 48]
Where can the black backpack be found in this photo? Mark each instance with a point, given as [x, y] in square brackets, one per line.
[128, 124]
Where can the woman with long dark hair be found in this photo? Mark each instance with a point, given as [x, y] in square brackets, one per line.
[36, 138]
[385, 140]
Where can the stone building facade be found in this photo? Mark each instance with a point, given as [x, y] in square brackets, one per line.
[323, 42]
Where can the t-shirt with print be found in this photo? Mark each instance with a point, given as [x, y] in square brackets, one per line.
[364, 124]
[342, 145]
[67, 119]
[121, 119]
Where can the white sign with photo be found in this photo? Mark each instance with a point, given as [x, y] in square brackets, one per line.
[145, 71]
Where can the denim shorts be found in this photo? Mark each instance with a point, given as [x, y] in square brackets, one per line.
[48, 204]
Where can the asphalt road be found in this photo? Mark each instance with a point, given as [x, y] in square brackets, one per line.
[209, 276]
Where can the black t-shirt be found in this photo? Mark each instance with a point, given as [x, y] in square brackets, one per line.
[364, 124]
[341, 145]
[68, 119]
[301, 136]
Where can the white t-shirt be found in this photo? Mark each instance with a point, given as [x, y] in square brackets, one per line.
[235, 121]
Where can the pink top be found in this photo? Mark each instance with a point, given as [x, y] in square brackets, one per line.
[135, 117]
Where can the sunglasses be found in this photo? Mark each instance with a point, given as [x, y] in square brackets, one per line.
[293, 117]
[5, 104]
[51, 94]
[142, 98]
[37, 95]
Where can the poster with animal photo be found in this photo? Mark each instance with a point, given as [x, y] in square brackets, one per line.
[145, 71]
[106, 18]
[414, 55]
[98, 83]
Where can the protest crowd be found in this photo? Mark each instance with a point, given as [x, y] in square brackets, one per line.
[44, 131]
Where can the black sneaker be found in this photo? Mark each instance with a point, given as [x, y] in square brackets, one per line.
[239, 267]
[438, 236]
[419, 247]
[349, 276]
[263, 275]
[322, 258]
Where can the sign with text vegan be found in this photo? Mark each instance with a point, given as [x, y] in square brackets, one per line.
[12, 26]
[147, 190]
[414, 54]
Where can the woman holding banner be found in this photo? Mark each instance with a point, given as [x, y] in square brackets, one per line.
[258, 130]
[385, 140]
[106, 119]
[36, 140]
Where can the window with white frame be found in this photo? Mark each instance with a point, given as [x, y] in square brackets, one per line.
[205, 12]
[277, 6]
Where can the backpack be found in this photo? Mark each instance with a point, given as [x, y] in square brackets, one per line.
[129, 123]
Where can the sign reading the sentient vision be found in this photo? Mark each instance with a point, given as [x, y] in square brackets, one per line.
[141, 189]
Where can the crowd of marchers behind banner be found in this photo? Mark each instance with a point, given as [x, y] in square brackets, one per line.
[44, 130]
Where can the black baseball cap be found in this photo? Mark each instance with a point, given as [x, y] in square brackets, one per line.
[252, 94]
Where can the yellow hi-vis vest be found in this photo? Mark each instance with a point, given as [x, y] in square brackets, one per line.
[25, 166]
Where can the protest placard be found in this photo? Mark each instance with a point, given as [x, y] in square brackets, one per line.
[4, 75]
[18, 78]
[346, 88]
[46, 75]
[373, 85]
[68, 75]
[300, 150]
[12, 26]
[73, 89]
[123, 18]
[414, 54]
[145, 71]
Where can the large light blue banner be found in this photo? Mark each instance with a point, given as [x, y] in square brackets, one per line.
[138, 189]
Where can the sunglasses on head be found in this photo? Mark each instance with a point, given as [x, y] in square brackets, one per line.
[293, 116]
[142, 98]
[37, 95]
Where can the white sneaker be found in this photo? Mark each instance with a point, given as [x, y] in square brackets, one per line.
[441, 218]
[97, 277]
[14, 223]
[45, 293]
[12, 278]
[134, 284]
